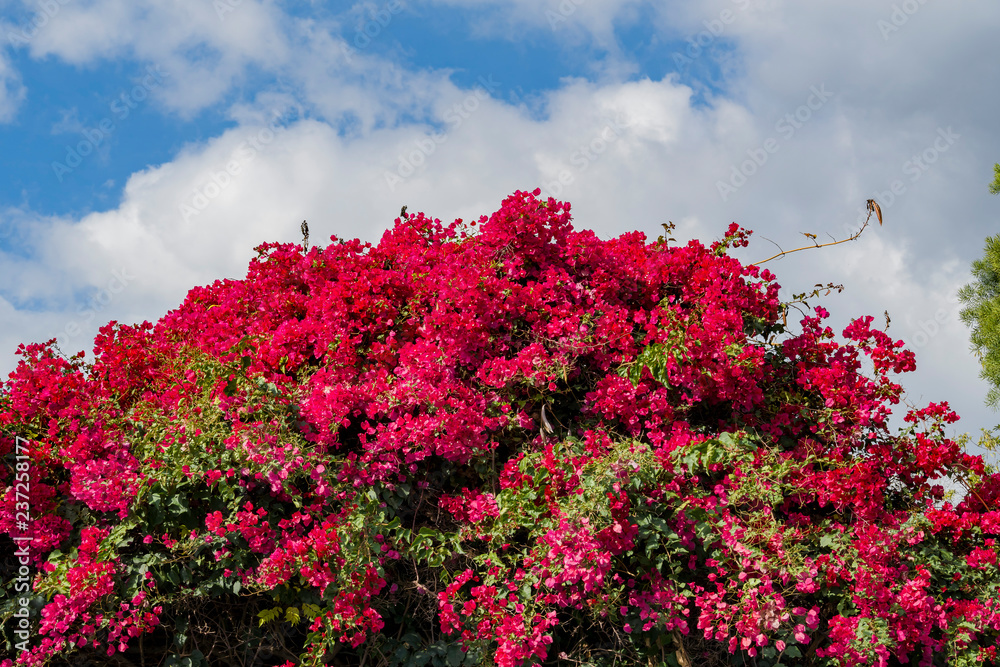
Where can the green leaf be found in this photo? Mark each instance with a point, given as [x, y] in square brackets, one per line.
[455, 655]
[792, 651]
[268, 615]
[311, 611]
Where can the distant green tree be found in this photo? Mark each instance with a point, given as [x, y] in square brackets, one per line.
[982, 308]
[982, 312]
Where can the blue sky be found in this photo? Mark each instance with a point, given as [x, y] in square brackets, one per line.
[148, 145]
[65, 103]
[64, 109]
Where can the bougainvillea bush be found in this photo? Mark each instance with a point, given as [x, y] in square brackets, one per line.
[502, 443]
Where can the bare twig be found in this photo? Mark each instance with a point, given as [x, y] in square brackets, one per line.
[873, 207]
[805, 296]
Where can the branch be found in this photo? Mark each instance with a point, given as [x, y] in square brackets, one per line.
[873, 207]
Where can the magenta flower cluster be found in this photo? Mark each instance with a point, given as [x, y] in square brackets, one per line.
[509, 437]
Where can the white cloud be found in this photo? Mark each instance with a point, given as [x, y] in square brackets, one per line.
[12, 91]
[564, 19]
[203, 50]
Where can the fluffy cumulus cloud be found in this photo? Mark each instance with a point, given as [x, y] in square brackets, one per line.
[199, 216]
[205, 47]
[823, 107]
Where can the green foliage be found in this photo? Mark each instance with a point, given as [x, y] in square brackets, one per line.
[995, 185]
[502, 455]
[982, 313]
[410, 650]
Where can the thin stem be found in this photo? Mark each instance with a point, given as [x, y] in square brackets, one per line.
[871, 208]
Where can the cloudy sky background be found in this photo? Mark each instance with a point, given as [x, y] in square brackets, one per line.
[148, 145]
